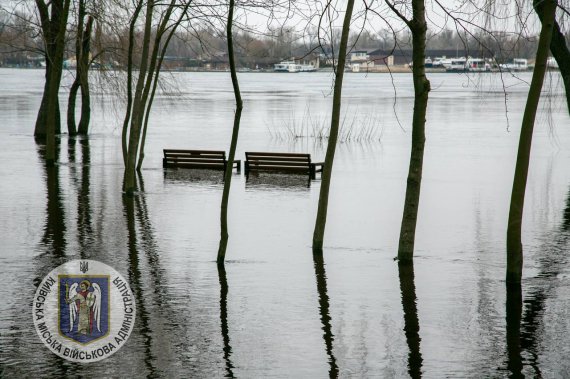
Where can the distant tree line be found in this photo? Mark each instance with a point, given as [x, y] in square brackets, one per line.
[22, 46]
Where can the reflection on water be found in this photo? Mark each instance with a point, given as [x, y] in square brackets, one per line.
[411, 321]
[514, 313]
[185, 176]
[55, 228]
[324, 306]
[224, 320]
[278, 181]
[363, 318]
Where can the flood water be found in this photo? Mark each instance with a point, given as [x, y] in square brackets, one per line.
[277, 311]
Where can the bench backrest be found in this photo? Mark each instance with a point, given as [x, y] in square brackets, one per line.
[194, 155]
[278, 161]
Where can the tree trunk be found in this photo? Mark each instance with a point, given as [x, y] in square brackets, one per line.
[231, 155]
[156, 76]
[514, 228]
[320, 223]
[83, 128]
[559, 49]
[129, 182]
[53, 18]
[130, 69]
[71, 127]
[418, 28]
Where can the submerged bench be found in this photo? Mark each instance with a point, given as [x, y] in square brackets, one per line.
[201, 159]
[281, 162]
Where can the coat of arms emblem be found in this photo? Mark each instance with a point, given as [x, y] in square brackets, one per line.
[83, 307]
[84, 311]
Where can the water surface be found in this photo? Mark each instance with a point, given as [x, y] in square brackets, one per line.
[276, 310]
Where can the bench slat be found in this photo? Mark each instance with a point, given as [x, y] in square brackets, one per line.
[262, 154]
[277, 164]
[304, 160]
[178, 151]
[190, 160]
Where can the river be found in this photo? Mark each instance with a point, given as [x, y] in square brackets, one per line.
[275, 311]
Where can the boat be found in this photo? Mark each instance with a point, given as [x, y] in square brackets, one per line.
[518, 64]
[477, 65]
[291, 66]
[469, 64]
[441, 62]
[457, 65]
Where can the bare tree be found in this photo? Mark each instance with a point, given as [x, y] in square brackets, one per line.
[235, 133]
[418, 28]
[514, 227]
[148, 72]
[320, 223]
[53, 19]
[82, 57]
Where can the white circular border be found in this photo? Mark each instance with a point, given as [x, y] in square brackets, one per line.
[122, 312]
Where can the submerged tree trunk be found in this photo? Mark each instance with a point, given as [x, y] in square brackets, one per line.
[53, 18]
[148, 74]
[320, 223]
[237, 116]
[81, 79]
[156, 76]
[558, 48]
[71, 127]
[418, 27]
[136, 117]
[514, 228]
[130, 51]
[84, 79]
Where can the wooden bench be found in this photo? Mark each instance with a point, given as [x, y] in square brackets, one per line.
[281, 162]
[206, 159]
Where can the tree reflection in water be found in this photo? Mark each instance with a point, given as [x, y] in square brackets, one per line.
[525, 319]
[136, 284]
[411, 321]
[328, 336]
[224, 320]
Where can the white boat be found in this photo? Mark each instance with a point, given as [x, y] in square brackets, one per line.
[477, 65]
[457, 65]
[291, 66]
[287, 66]
[518, 64]
[441, 62]
[469, 64]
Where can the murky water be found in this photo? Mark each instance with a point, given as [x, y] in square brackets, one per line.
[275, 310]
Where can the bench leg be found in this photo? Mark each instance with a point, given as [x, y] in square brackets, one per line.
[312, 173]
[238, 166]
